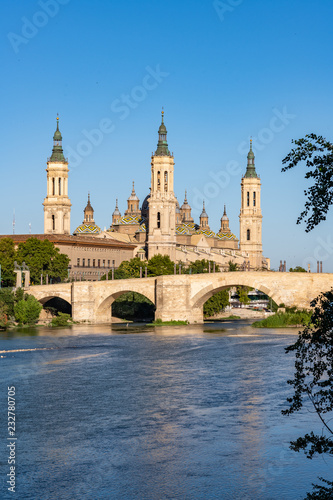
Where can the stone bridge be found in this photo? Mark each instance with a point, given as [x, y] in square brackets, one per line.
[181, 297]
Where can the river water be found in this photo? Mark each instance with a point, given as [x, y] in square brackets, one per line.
[153, 413]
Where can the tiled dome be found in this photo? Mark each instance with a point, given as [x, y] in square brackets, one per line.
[87, 229]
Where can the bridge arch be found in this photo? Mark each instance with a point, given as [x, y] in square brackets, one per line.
[103, 312]
[206, 293]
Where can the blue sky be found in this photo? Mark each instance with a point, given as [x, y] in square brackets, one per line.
[223, 71]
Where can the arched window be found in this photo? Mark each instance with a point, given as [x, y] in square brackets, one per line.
[254, 198]
[158, 219]
[248, 199]
[53, 186]
[59, 186]
[53, 223]
[158, 180]
[248, 233]
[165, 181]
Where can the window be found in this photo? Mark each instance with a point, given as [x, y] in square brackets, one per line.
[113, 263]
[248, 234]
[108, 263]
[254, 199]
[248, 199]
[53, 223]
[78, 262]
[53, 186]
[93, 262]
[88, 262]
[158, 180]
[158, 219]
[131, 207]
[165, 181]
[99, 263]
[59, 186]
[103, 262]
[83, 262]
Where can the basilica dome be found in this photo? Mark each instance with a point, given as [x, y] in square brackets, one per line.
[87, 229]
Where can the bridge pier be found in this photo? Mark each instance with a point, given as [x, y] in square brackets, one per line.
[173, 300]
[83, 301]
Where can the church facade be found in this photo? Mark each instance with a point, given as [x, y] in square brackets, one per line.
[161, 225]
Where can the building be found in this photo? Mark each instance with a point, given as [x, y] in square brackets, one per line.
[160, 226]
[164, 227]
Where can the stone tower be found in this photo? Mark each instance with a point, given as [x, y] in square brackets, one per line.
[133, 204]
[116, 216]
[185, 211]
[204, 219]
[162, 201]
[224, 223]
[250, 218]
[88, 213]
[57, 205]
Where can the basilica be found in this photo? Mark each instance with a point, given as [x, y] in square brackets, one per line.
[160, 225]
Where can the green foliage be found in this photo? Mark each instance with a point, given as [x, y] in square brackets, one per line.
[3, 316]
[216, 303]
[43, 257]
[242, 292]
[132, 305]
[62, 319]
[159, 322]
[232, 266]
[27, 310]
[317, 152]
[127, 269]
[313, 378]
[321, 492]
[160, 265]
[7, 258]
[297, 269]
[201, 266]
[291, 317]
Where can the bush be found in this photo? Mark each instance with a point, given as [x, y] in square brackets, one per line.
[62, 319]
[27, 310]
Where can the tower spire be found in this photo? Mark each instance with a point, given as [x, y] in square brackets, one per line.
[57, 152]
[162, 145]
[250, 169]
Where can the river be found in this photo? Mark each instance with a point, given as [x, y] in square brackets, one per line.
[153, 413]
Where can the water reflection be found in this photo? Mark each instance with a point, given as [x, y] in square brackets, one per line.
[138, 412]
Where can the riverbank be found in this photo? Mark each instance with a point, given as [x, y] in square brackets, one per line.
[292, 318]
[241, 313]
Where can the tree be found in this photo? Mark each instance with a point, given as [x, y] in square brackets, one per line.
[127, 269]
[218, 302]
[27, 310]
[202, 266]
[317, 152]
[232, 266]
[42, 257]
[160, 265]
[297, 269]
[7, 258]
[314, 348]
[242, 294]
[313, 377]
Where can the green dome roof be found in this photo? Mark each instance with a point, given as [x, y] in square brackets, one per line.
[57, 134]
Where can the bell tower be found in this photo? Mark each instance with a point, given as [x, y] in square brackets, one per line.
[162, 201]
[57, 205]
[250, 218]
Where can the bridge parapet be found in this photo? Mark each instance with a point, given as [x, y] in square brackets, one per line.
[181, 297]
